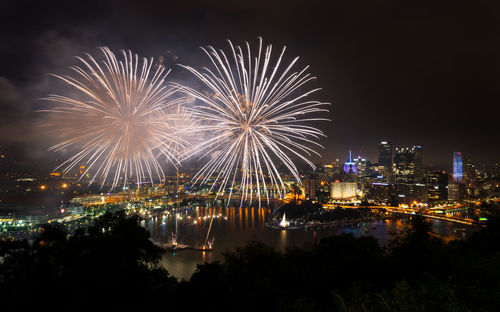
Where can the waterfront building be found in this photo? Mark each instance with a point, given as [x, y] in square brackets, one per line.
[343, 190]
[419, 192]
[438, 186]
[379, 192]
[409, 193]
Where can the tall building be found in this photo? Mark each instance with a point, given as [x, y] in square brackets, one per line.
[496, 170]
[457, 167]
[404, 166]
[361, 166]
[420, 192]
[419, 160]
[385, 156]
[349, 165]
[469, 178]
[408, 163]
[469, 173]
[380, 192]
[309, 185]
[327, 171]
[379, 174]
[408, 193]
[438, 185]
[455, 191]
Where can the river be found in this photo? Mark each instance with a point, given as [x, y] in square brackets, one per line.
[235, 227]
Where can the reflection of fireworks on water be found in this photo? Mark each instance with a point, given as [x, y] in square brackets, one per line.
[256, 115]
[118, 118]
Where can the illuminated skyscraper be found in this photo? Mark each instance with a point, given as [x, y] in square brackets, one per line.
[457, 167]
[469, 173]
[309, 185]
[404, 165]
[455, 191]
[349, 165]
[437, 183]
[385, 155]
[361, 166]
[408, 163]
[419, 160]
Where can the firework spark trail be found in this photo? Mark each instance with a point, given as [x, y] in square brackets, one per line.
[256, 114]
[119, 117]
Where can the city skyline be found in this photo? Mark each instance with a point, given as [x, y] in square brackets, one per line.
[446, 163]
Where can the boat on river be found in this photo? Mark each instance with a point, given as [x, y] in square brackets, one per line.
[174, 245]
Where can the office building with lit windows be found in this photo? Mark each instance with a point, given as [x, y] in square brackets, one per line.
[385, 152]
[404, 166]
[438, 186]
[418, 159]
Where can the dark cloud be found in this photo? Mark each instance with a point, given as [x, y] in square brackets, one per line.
[413, 72]
[15, 112]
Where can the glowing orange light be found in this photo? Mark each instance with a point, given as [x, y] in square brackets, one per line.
[42, 187]
[65, 185]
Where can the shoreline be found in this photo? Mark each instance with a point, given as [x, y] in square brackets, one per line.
[317, 224]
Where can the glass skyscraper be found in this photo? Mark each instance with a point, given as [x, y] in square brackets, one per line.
[385, 154]
[385, 157]
[404, 166]
[419, 160]
[457, 167]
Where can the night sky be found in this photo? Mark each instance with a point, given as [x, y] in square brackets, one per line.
[411, 72]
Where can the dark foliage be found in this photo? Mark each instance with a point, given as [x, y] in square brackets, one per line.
[112, 261]
[113, 264]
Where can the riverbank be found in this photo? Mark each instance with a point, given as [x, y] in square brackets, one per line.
[311, 225]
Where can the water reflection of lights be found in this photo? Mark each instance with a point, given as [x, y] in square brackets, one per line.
[283, 237]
